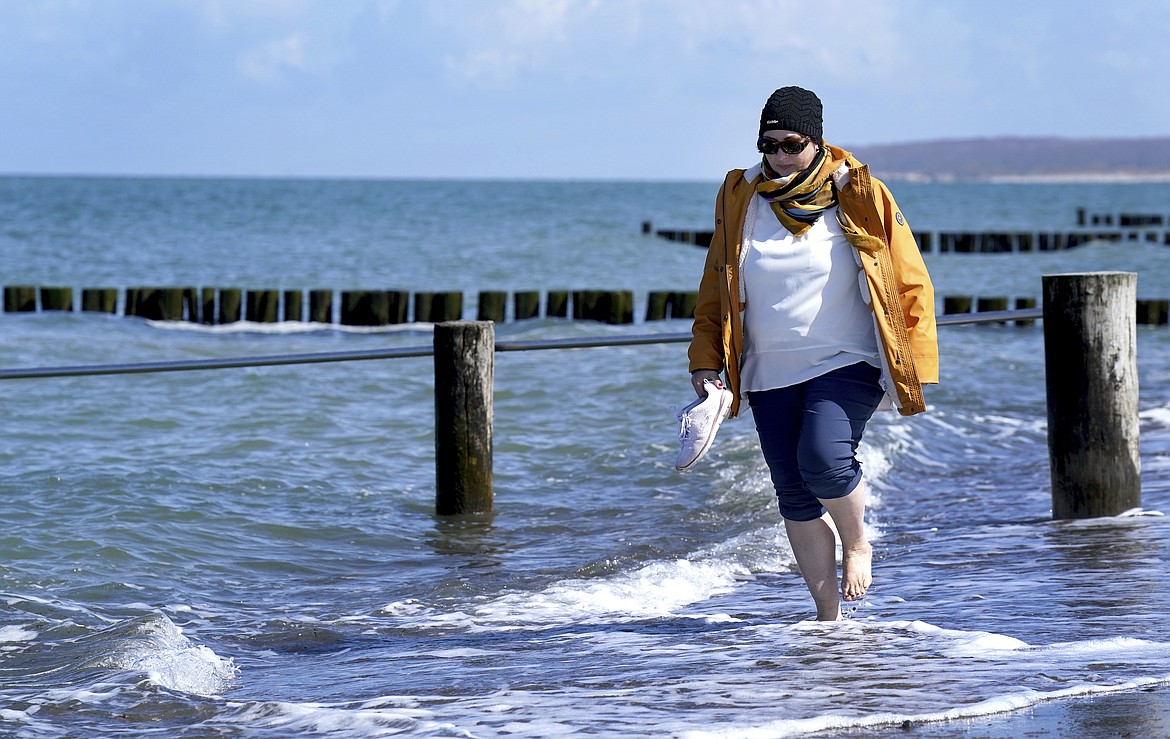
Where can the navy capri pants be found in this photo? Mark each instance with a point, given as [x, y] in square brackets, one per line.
[809, 435]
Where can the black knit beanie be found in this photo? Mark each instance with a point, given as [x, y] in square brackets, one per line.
[793, 109]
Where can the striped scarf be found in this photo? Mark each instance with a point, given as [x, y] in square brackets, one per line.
[800, 201]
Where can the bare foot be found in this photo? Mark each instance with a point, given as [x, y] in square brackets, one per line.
[856, 574]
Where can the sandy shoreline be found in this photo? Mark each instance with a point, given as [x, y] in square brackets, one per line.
[1136, 713]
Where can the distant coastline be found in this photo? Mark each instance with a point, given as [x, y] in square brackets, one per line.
[1021, 160]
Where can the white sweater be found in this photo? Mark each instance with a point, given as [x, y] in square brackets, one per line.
[804, 314]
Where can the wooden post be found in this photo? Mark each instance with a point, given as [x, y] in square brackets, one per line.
[57, 298]
[365, 308]
[526, 304]
[585, 304]
[957, 304]
[618, 307]
[293, 305]
[207, 298]
[99, 299]
[492, 305]
[1090, 357]
[321, 306]
[656, 303]
[1152, 312]
[985, 305]
[557, 305]
[20, 299]
[447, 306]
[229, 304]
[262, 305]
[191, 304]
[464, 368]
[682, 304]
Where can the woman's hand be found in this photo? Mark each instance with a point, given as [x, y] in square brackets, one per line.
[698, 377]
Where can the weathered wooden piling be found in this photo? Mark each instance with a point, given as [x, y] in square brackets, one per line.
[20, 298]
[191, 304]
[262, 306]
[656, 305]
[616, 307]
[293, 306]
[438, 307]
[207, 305]
[321, 306]
[464, 369]
[1153, 312]
[682, 304]
[1090, 351]
[57, 298]
[365, 308]
[99, 300]
[584, 304]
[957, 304]
[230, 304]
[557, 305]
[525, 304]
[492, 305]
[986, 305]
[155, 303]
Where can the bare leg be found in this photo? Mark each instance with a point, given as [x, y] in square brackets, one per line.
[848, 514]
[815, 547]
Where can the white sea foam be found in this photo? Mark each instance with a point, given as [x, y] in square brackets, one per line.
[12, 634]
[159, 649]
[963, 642]
[381, 717]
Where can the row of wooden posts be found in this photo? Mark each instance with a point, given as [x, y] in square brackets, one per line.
[1147, 227]
[975, 242]
[210, 305]
[380, 308]
[1090, 351]
[1148, 312]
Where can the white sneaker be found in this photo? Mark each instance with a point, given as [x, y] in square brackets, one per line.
[698, 422]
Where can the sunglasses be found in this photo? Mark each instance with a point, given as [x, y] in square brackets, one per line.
[790, 145]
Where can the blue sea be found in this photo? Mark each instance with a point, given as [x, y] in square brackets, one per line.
[254, 552]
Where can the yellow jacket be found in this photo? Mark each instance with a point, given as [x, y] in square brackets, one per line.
[900, 291]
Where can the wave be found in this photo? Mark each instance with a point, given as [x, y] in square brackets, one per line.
[150, 645]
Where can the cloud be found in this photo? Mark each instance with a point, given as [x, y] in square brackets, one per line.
[268, 63]
[521, 31]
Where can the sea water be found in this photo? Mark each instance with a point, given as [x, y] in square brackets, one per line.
[254, 552]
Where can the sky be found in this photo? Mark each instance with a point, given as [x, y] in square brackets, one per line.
[658, 90]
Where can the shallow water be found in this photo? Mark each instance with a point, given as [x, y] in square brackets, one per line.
[253, 552]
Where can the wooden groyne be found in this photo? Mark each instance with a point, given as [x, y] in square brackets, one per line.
[1112, 227]
[1147, 312]
[224, 306]
[228, 305]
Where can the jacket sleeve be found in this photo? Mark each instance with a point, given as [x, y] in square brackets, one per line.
[915, 289]
[706, 349]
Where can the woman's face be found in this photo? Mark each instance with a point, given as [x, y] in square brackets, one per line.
[786, 164]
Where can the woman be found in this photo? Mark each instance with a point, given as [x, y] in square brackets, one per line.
[816, 306]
